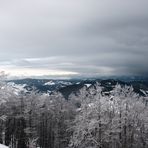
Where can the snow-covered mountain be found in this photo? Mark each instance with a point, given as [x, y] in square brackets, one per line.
[66, 87]
[41, 85]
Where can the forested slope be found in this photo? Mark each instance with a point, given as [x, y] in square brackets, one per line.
[87, 119]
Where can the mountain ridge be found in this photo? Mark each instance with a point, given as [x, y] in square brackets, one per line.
[66, 87]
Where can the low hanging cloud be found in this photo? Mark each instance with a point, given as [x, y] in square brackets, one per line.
[81, 37]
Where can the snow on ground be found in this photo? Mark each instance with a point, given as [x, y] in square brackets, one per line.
[78, 83]
[64, 83]
[88, 85]
[49, 83]
[3, 146]
[17, 87]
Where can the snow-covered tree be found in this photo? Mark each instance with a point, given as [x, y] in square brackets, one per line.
[115, 121]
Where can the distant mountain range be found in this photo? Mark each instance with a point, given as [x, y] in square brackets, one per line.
[66, 87]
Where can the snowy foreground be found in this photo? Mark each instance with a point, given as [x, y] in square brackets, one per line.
[3, 146]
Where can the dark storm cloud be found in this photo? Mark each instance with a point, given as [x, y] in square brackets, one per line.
[88, 37]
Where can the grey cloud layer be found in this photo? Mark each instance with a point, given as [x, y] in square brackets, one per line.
[85, 36]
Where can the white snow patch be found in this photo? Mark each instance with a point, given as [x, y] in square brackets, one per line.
[64, 83]
[3, 146]
[91, 104]
[78, 83]
[49, 83]
[106, 93]
[88, 85]
[17, 87]
[78, 109]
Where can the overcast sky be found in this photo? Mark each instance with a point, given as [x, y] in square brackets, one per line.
[74, 37]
